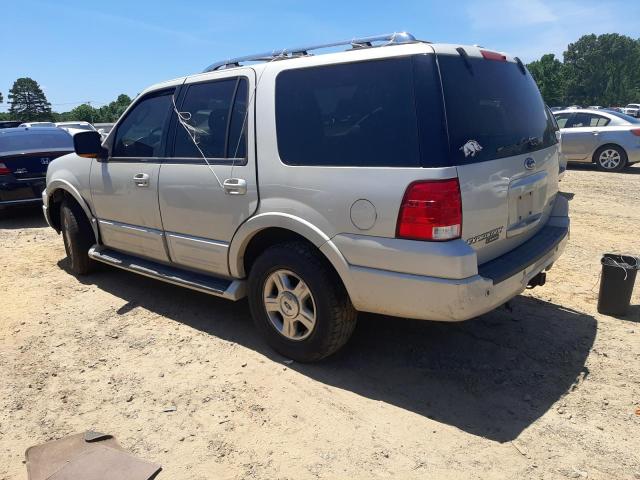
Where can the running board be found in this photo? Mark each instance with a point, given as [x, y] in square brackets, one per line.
[220, 287]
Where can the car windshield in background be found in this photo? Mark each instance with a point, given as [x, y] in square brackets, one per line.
[626, 118]
[32, 140]
[493, 109]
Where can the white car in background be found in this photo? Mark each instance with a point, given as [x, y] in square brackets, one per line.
[76, 126]
[607, 138]
[37, 124]
[632, 109]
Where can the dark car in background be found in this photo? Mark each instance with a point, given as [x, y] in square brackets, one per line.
[25, 154]
[10, 123]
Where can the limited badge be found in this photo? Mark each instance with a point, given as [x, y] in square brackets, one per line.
[488, 237]
[471, 148]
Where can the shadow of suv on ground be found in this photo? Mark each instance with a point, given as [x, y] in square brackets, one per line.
[492, 376]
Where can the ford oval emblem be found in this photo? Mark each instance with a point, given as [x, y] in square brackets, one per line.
[529, 163]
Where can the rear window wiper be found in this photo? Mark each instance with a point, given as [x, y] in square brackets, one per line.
[465, 57]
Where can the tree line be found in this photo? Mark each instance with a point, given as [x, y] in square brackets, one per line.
[28, 103]
[596, 70]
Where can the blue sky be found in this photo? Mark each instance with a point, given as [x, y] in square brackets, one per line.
[82, 50]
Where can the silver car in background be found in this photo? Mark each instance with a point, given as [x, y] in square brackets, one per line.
[607, 138]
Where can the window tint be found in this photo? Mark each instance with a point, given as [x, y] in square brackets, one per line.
[588, 120]
[140, 133]
[492, 105]
[237, 145]
[356, 114]
[562, 119]
[208, 111]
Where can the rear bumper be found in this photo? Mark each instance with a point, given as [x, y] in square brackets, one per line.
[15, 192]
[445, 299]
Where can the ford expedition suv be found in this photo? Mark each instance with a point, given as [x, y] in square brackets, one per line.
[395, 176]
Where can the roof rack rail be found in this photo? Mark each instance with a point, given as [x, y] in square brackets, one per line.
[355, 43]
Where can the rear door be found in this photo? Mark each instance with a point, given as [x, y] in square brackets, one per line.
[124, 187]
[503, 142]
[208, 185]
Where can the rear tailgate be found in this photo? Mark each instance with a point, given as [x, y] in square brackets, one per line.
[503, 143]
[30, 165]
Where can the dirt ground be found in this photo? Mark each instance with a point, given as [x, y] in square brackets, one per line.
[546, 389]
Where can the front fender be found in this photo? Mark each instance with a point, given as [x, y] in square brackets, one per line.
[58, 184]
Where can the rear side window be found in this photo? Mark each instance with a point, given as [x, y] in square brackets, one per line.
[354, 114]
[493, 110]
[216, 122]
[588, 120]
[141, 132]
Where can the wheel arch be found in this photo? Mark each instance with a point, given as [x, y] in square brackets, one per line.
[264, 230]
[57, 191]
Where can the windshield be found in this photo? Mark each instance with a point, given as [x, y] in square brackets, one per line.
[633, 105]
[32, 140]
[626, 118]
[493, 109]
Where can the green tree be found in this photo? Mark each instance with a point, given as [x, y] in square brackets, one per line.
[84, 112]
[28, 101]
[597, 70]
[549, 75]
[1, 99]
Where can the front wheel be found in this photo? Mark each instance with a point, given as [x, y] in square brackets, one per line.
[78, 237]
[611, 158]
[298, 303]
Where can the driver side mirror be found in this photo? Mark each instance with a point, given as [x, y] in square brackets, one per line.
[88, 144]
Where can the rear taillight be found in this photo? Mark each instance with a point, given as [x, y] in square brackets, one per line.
[431, 210]
[489, 55]
[3, 169]
[636, 132]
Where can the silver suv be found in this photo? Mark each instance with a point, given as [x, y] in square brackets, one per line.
[396, 176]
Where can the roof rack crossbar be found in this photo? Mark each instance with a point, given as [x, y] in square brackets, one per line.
[355, 43]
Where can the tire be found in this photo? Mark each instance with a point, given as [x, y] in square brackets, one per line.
[334, 317]
[610, 158]
[78, 237]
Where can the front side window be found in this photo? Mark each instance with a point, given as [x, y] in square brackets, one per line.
[213, 124]
[353, 114]
[141, 132]
[562, 119]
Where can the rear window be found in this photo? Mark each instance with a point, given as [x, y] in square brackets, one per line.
[493, 110]
[354, 114]
[34, 140]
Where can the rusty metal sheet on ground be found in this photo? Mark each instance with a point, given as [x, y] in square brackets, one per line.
[46, 460]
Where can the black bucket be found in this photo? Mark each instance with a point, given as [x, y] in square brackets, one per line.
[616, 284]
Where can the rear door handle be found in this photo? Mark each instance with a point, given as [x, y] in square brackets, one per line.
[235, 186]
[596, 133]
[141, 179]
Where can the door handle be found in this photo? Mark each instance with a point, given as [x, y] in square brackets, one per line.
[235, 186]
[141, 179]
[596, 133]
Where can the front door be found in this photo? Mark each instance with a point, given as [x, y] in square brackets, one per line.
[124, 187]
[207, 186]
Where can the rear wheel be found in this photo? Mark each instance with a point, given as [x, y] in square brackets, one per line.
[78, 237]
[298, 303]
[610, 158]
